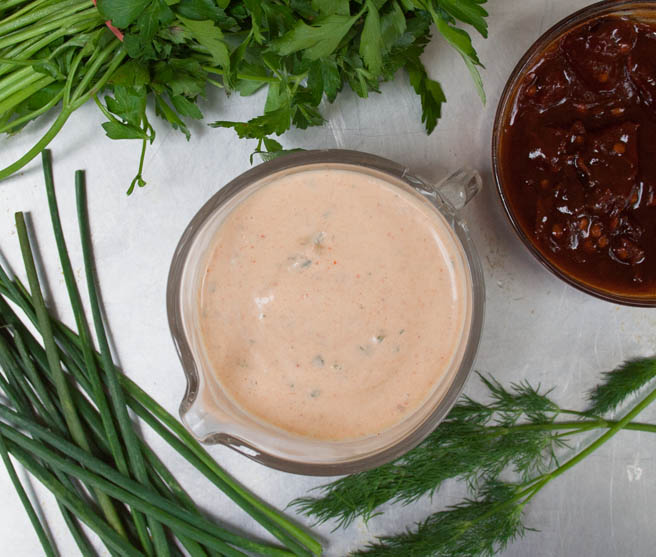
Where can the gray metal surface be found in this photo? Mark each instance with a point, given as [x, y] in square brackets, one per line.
[537, 327]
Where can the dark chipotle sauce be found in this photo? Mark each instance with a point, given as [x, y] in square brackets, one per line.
[577, 155]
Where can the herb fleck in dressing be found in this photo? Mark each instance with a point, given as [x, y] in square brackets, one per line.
[333, 303]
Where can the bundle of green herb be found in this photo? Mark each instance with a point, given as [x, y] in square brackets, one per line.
[517, 431]
[65, 419]
[61, 53]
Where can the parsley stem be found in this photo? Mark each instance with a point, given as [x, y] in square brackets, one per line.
[25, 49]
[57, 125]
[216, 83]
[19, 96]
[37, 30]
[119, 56]
[13, 62]
[11, 3]
[138, 178]
[14, 23]
[104, 110]
[21, 77]
[246, 77]
[77, 101]
[93, 66]
[17, 83]
[71, 76]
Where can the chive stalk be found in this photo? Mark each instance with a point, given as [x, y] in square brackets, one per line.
[45, 327]
[90, 363]
[46, 544]
[70, 403]
[135, 456]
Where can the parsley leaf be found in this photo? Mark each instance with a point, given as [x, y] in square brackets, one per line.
[469, 11]
[122, 12]
[117, 130]
[128, 103]
[371, 41]
[461, 41]
[316, 40]
[163, 110]
[211, 37]
[431, 94]
[179, 76]
[205, 9]
[185, 107]
[276, 121]
[332, 7]
[272, 149]
[132, 73]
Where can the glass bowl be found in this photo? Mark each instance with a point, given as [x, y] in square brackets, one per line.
[641, 10]
[210, 414]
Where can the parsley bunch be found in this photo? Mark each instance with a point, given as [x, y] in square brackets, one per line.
[61, 53]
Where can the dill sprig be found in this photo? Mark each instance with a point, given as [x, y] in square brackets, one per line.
[489, 527]
[518, 431]
[620, 384]
[477, 442]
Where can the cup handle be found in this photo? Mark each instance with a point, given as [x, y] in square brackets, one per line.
[459, 187]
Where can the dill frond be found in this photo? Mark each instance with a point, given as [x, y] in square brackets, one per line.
[521, 400]
[471, 411]
[480, 527]
[476, 443]
[620, 384]
[516, 431]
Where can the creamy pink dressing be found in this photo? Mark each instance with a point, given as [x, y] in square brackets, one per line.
[333, 303]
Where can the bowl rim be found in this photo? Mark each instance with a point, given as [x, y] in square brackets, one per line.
[556, 31]
[183, 348]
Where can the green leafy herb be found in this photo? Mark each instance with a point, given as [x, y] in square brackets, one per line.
[64, 416]
[371, 41]
[122, 12]
[518, 431]
[303, 51]
[620, 384]
[431, 94]
[489, 522]
[317, 40]
[209, 36]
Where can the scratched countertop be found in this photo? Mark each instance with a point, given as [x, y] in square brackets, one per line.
[537, 327]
